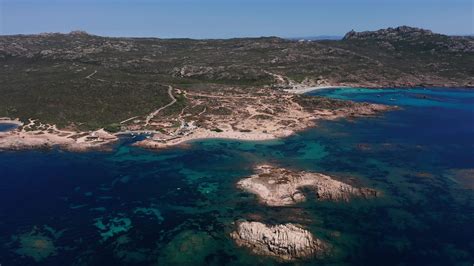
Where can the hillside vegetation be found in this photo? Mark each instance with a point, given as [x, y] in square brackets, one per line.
[91, 81]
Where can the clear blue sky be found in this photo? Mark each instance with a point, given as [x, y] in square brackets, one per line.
[232, 18]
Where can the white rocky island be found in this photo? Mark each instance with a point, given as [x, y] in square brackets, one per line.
[281, 187]
[286, 242]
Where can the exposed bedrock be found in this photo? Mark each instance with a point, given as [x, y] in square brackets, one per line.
[281, 187]
[286, 242]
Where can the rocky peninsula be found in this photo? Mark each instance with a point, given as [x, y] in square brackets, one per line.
[281, 187]
[263, 114]
[286, 242]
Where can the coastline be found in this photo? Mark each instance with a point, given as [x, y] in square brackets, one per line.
[295, 118]
[365, 110]
[202, 134]
[20, 139]
[50, 137]
[6, 120]
[361, 86]
[314, 88]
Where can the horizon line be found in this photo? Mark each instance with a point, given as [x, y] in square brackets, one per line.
[309, 36]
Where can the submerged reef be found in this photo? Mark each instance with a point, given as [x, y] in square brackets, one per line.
[152, 212]
[37, 244]
[464, 177]
[125, 251]
[113, 227]
[188, 248]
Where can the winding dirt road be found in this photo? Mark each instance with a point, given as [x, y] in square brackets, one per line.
[173, 100]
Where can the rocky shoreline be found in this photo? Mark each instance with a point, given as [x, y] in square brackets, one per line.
[48, 136]
[269, 129]
[270, 116]
[200, 134]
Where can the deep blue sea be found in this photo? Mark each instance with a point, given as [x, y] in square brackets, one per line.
[177, 207]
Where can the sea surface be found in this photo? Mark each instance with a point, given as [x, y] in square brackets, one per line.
[132, 206]
[7, 126]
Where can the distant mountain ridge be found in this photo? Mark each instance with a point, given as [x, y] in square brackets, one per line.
[317, 38]
[388, 33]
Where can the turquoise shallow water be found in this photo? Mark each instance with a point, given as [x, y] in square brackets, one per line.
[417, 97]
[177, 207]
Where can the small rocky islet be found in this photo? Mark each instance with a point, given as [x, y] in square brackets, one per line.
[281, 187]
[287, 242]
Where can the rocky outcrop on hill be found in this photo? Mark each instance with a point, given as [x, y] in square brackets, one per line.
[76, 45]
[389, 33]
[413, 38]
[286, 242]
[282, 187]
[400, 57]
